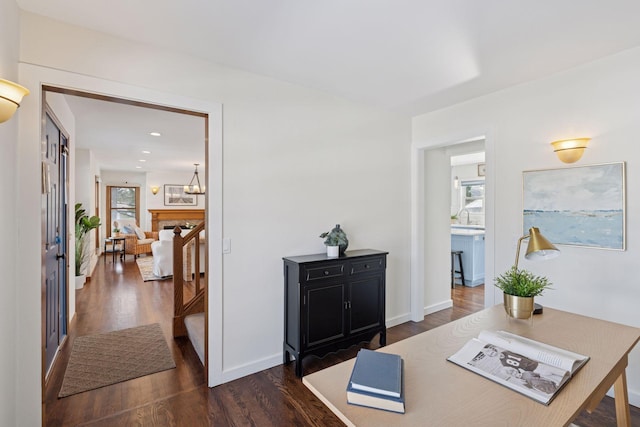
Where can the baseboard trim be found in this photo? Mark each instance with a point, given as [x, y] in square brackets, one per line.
[438, 307]
[398, 320]
[634, 398]
[240, 371]
[633, 395]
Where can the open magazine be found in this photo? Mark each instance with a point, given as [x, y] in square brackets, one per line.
[530, 367]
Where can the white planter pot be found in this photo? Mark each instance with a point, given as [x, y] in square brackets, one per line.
[333, 251]
[80, 281]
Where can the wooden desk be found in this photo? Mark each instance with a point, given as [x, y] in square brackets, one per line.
[440, 393]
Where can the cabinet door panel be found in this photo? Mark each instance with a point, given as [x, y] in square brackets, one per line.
[325, 313]
[366, 303]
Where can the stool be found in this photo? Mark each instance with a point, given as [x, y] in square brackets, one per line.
[453, 267]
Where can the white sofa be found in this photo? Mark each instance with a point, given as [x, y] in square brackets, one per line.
[162, 250]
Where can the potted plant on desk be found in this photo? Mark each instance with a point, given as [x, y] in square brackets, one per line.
[84, 224]
[520, 287]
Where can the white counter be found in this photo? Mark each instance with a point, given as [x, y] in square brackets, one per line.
[466, 231]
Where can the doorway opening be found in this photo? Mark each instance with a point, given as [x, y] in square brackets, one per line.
[92, 191]
[434, 193]
[468, 215]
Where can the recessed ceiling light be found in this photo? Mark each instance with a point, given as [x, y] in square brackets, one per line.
[146, 152]
[142, 160]
[155, 134]
[138, 167]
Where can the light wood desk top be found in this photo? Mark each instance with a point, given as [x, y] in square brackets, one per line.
[440, 393]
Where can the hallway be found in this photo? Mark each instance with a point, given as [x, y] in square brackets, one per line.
[117, 298]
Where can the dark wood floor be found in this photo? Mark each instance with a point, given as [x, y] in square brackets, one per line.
[117, 298]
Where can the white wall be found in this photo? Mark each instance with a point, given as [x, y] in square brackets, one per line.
[296, 162]
[437, 276]
[9, 285]
[84, 182]
[600, 100]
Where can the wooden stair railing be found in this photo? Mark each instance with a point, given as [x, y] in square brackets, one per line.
[195, 304]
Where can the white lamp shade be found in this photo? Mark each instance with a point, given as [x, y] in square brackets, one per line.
[542, 255]
[539, 248]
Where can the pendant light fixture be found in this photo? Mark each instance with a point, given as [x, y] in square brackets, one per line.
[194, 186]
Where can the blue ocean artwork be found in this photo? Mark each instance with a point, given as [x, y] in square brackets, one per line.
[581, 206]
[600, 229]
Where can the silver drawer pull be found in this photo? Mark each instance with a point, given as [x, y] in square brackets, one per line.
[326, 272]
[366, 266]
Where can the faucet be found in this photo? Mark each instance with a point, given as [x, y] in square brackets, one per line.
[460, 213]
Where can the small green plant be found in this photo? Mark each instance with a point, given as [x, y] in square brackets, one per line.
[335, 237]
[84, 224]
[522, 283]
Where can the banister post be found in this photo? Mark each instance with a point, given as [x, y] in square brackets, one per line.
[178, 280]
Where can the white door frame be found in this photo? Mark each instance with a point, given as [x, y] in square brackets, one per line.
[418, 243]
[29, 347]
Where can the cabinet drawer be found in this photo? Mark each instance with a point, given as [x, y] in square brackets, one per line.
[367, 265]
[325, 272]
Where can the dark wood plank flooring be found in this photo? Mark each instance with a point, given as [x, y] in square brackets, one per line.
[117, 298]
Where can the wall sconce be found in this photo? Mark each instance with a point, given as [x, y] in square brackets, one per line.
[456, 183]
[10, 97]
[570, 150]
[155, 189]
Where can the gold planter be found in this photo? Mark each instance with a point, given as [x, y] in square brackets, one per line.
[518, 307]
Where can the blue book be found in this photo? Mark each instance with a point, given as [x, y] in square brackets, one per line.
[378, 381]
[378, 373]
[377, 401]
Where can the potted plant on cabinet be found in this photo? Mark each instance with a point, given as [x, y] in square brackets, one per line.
[84, 224]
[520, 287]
[336, 241]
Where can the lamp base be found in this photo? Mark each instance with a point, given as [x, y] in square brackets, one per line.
[537, 308]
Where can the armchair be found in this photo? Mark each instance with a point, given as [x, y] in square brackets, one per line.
[137, 241]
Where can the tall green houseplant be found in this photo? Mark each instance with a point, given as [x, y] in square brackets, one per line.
[84, 224]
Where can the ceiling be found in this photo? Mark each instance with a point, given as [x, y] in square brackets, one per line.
[408, 56]
[119, 134]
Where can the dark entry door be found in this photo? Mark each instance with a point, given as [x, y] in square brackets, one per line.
[54, 183]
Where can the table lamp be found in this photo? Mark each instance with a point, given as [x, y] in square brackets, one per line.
[539, 248]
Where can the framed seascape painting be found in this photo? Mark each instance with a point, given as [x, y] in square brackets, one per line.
[581, 206]
[174, 195]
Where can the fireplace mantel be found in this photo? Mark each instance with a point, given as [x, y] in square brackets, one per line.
[158, 215]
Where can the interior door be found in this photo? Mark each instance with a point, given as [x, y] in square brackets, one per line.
[54, 195]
